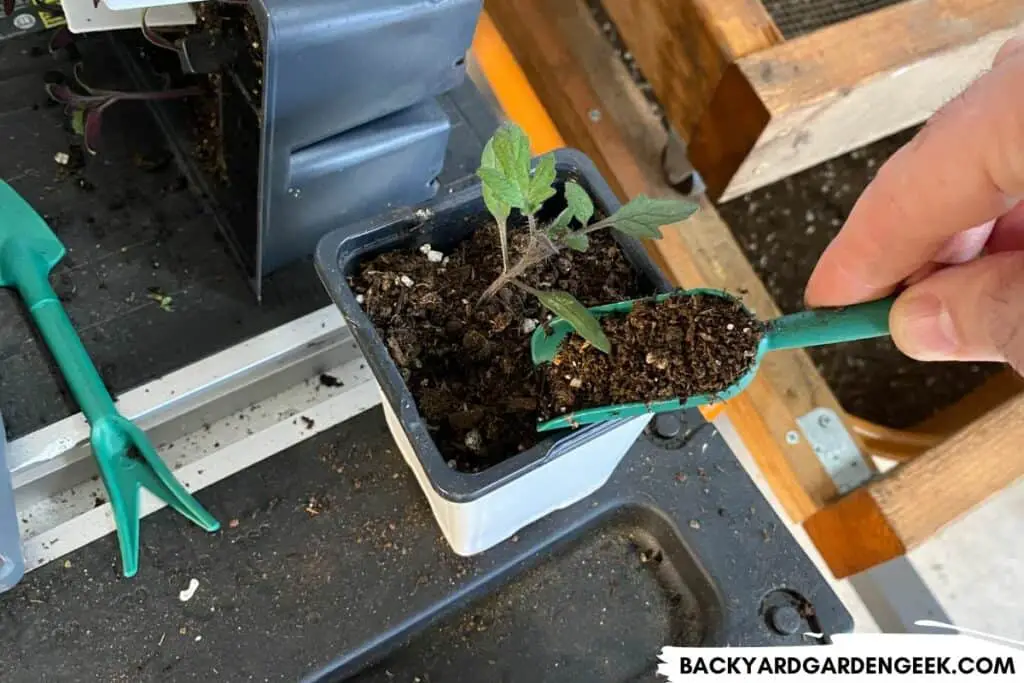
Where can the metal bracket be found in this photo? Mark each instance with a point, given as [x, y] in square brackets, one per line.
[835, 449]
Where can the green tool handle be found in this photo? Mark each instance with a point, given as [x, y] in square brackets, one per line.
[25, 267]
[829, 326]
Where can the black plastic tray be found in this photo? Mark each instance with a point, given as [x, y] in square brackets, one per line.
[679, 548]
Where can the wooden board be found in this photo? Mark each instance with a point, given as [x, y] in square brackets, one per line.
[909, 505]
[599, 110]
[684, 47]
[754, 109]
[844, 86]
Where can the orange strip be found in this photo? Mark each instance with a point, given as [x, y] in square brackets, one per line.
[512, 89]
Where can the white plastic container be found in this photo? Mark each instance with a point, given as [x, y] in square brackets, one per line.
[473, 525]
[479, 510]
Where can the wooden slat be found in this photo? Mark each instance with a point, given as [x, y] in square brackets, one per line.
[683, 47]
[844, 86]
[908, 506]
[599, 110]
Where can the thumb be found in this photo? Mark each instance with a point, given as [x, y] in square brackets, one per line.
[973, 311]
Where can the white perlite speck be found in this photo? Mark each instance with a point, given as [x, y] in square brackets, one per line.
[435, 256]
[186, 595]
[360, 299]
[62, 158]
[406, 280]
[473, 440]
[529, 325]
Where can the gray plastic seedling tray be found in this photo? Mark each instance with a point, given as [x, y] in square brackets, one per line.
[478, 510]
[341, 123]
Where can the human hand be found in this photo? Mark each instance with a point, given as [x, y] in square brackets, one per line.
[944, 217]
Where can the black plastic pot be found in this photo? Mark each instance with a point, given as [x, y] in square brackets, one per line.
[479, 510]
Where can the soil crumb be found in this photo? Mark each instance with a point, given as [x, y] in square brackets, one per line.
[685, 345]
[469, 366]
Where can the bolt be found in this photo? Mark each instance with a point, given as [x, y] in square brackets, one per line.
[784, 620]
[667, 425]
[824, 421]
[595, 115]
[792, 437]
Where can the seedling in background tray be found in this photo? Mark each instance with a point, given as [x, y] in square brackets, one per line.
[86, 108]
[198, 53]
[509, 184]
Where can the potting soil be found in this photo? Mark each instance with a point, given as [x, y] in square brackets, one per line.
[469, 366]
[680, 347]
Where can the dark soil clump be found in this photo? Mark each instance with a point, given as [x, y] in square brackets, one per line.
[683, 346]
[469, 366]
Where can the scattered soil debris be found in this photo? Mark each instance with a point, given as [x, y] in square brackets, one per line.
[469, 367]
[683, 346]
[165, 301]
[315, 506]
[308, 422]
[330, 381]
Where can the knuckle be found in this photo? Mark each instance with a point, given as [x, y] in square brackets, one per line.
[1004, 306]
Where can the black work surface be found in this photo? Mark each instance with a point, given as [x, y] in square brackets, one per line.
[334, 546]
[131, 225]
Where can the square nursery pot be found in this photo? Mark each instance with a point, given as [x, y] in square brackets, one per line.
[332, 111]
[476, 511]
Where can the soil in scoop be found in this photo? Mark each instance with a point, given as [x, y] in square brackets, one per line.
[468, 366]
[680, 347]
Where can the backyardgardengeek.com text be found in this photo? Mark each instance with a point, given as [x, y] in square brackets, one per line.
[847, 665]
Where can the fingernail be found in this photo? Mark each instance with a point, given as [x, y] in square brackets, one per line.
[923, 328]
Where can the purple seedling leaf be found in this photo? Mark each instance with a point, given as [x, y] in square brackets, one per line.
[93, 126]
[62, 38]
[8, 7]
[156, 38]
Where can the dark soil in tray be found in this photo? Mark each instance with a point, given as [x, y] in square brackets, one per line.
[622, 612]
[680, 347]
[783, 229]
[469, 367]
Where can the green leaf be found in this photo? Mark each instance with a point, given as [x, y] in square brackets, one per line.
[498, 208]
[573, 312]
[78, 121]
[541, 188]
[562, 221]
[643, 217]
[579, 202]
[511, 150]
[501, 191]
[576, 241]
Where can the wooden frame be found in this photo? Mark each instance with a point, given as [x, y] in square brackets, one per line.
[755, 108]
[561, 60]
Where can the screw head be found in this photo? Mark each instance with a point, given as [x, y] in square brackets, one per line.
[785, 620]
[667, 425]
[792, 437]
[595, 115]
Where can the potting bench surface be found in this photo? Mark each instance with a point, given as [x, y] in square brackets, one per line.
[329, 549]
[327, 552]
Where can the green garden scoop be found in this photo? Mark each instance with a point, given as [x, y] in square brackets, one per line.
[796, 331]
[126, 459]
